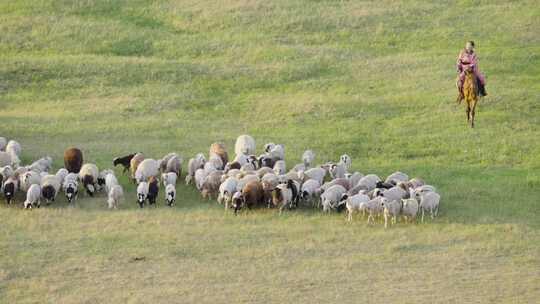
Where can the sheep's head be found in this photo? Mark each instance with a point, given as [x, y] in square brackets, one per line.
[71, 192]
[170, 198]
[237, 202]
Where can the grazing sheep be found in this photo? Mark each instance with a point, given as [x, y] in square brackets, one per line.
[193, 165]
[241, 159]
[171, 162]
[332, 196]
[50, 185]
[338, 171]
[429, 201]
[282, 197]
[245, 144]
[266, 161]
[226, 191]
[73, 160]
[308, 158]
[373, 207]
[394, 194]
[397, 177]
[116, 194]
[219, 150]
[3, 143]
[28, 179]
[125, 161]
[269, 182]
[5, 159]
[210, 186]
[71, 186]
[88, 175]
[170, 194]
[252, 195]
[61, 175]
[354, 203]
[43, 164]
[317, 174]
[200, 175]
[153, 190]
[110, 181]
[245, 180]
[142, 193]
[338, 181]
[14, 149]
[354, 178]
[369, 181]
[11, 186]
[277, 152]
[384, 185]
[280, 167]
[391, 209]
[232, 166]
[147, 168]
[169, 178]
[409, 209]
[346, 161]
[33, 197]
[307, 192]
[134, 163]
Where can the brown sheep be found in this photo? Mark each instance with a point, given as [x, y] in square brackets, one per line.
[252, 195]
[134, 164]
[220, 150]
[73, 160]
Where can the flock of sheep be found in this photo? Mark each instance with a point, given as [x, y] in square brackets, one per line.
[246, 182]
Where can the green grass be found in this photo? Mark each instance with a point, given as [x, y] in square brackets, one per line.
[371, 79]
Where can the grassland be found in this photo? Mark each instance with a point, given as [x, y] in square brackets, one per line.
[371, 79]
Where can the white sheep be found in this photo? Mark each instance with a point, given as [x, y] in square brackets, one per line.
[33, 197]
[170, 194]
[146, 169]
[14, 149]
[373, 207]
[169, 178]
[369, 181]
[193, 165]
[200, 175]
[391, 209]
[429, 201]
[354, 178]
[61, 175]
[338, 170]
[308, 158]
[88, 175]
[28, 179]
[209, 167]
[226, 190]
[115, 196]
[354, 203]
[110, 181]
[397, 177]
[245, 180]
[409, 209]
[346, 161]
[394, 194]
[425, 188]
[277, 152]
[142, 193]
[308, 190]
[245, 144]
[216, 161]
[50, 185]
[280, 167]
[241, 159]
[332, 196]
[317, 174]
[43, 164]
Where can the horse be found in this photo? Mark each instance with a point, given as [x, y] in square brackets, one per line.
[470, 94]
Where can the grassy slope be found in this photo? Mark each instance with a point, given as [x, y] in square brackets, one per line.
[374, 80]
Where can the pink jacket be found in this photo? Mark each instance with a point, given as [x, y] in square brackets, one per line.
[466, 60]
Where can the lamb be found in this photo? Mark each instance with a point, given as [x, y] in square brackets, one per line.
[409, 209]
[308, 158]
[252, 195]
[280, 167]
[354, 203]
[110, 181]
[308, 190]
[43, 164]
[134, 163]
[346, 161]
[5, 159]
[397, 177]
[245, 144]
[338, 171]
[168, 178]
[11, 185]
[391, 209]
[332, 196]
[153, 190]
[33, 197]
[28, 179]
[211, 184]
[50, 185]
[147, 168]
[282, 197]
[88, 175]
[193, 165]
[219, 150]
[226, 190]
[170, 194]
[14, 149]
[142, 193]
[116, 194]
[317, 174]
[71, 186]
[124, 161]
[429, 201]
[73, 159]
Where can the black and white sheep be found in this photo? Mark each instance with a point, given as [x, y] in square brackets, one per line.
[170, 194]
[142, 193]
[88, 176]
[50, 186]
[71, 186]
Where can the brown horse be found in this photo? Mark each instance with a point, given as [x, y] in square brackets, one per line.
[470, 94]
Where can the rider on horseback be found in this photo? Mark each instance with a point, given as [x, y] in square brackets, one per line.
[467, 60]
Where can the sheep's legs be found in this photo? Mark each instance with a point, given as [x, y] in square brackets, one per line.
[422, 215]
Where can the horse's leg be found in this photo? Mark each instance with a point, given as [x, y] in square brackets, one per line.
[473, 110]
[467, 111]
